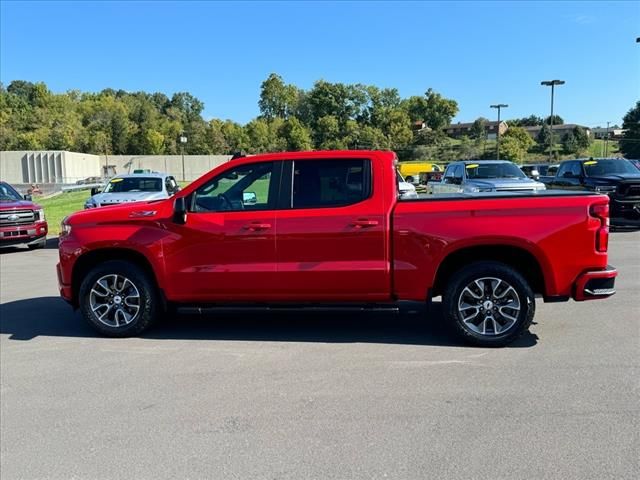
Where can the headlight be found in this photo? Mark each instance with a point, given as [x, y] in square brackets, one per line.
[605, 188]
[478, 189]
[65, 228]
[40, 214]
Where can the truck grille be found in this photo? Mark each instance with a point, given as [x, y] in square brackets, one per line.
[17, 217]
[629, 190]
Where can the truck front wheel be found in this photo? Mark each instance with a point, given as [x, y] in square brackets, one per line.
[118, 299]
[489, 304]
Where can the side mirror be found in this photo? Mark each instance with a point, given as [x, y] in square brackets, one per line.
[249, 197]
[28, 197]
[180, 211]
[94, 191]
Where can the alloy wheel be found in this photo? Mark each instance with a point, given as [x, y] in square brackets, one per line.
[115, 300]
[489, 306]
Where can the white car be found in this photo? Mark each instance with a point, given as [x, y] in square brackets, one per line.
[134, 187]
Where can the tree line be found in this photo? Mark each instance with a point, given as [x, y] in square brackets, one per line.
[326, 116]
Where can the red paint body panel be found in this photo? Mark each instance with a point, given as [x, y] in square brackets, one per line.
[559, 233]
[375, 250]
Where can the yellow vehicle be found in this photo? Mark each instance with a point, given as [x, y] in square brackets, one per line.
[411, 170]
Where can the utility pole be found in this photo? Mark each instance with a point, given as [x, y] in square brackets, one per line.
[183, 140]
[552, 84]
[606, 142]
[498, 106]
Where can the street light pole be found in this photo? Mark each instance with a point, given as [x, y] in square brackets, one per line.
[498, 106]
[606, 142]
[552, 84]
[183, 140]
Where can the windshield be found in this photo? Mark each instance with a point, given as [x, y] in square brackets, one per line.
[494, 170]
[595, 168]
[7, 193]
[134, 184]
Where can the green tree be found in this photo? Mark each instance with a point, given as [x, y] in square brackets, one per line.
[530, 121]
[235, 136]
[479, 129]
[582, 138]
[630, 143]
[215, 138]
[277, 100]
[327, 133]
[515, 144]
[557, 120]
[154, 142]
[296, 135]
[543, 138]
[570, 143]
[434, 109]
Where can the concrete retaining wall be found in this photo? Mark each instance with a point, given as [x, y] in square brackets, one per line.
[60, 167]
[194, 165]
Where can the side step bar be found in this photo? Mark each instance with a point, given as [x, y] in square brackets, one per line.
[221, 308]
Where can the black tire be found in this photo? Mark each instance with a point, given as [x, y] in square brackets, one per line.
[453, 296]
[149, 300]
[38, 246]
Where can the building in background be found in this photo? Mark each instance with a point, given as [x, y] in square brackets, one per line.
[457, 130]
[559, 131]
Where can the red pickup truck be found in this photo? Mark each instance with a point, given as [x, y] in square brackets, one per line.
[330, 230]
[22, 222]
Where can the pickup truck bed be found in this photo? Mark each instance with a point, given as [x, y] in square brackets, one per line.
[325, 230]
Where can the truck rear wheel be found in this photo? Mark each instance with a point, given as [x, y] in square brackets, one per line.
[489, 304]
[119, 299]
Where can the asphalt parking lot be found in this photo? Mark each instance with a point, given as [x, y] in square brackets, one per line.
[305, 396]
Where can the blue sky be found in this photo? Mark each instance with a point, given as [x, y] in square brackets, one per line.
[475, 52]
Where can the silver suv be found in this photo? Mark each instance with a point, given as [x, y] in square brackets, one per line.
[134, 187]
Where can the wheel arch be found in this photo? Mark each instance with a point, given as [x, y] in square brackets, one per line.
[520, 259]
[88, 260]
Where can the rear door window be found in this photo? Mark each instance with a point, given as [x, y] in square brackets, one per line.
[330, 183]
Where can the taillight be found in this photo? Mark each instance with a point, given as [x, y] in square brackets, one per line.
[601, 212]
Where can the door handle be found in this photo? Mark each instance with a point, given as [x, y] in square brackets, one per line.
[364, 223]
[255, 226]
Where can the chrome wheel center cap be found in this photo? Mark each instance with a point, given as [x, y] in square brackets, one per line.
[488, 305]
[117, 299]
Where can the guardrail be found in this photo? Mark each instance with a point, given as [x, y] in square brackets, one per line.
[87, 186]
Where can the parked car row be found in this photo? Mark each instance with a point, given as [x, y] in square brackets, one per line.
[618, 178]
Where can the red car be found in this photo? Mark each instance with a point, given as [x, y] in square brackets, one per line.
[22, 222]
[328, 230]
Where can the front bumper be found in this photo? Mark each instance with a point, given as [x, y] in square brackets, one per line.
[65, 289]
[23, 234]
[595, 284]
[625, 213]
